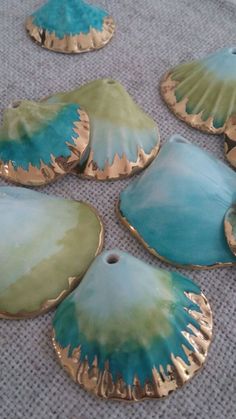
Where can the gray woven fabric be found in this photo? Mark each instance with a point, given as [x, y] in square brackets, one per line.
[152, 36]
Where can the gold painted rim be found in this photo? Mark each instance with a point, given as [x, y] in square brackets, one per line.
[73, 282]
[80, 43]
[136, 234]
[121, 168]
[230, 141]
[167, 90]
[101, 383]
[59, 166]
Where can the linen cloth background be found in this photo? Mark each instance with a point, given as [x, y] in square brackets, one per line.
[151, 37]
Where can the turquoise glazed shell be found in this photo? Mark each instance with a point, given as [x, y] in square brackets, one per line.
[132, 331]
[177, 206]
[123, 138]
[70, 26]
[40, 142]
[230, 228]
[203, 92]
[47, 245]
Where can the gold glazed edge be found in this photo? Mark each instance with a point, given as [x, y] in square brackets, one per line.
[136, 234]
[80, 43]
[102, 385]
[121, 168]
[167, 90]
[72, 281]
[59, 166]
[230, 141]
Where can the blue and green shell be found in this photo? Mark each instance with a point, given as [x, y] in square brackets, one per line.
[130, 316]
[178, 206]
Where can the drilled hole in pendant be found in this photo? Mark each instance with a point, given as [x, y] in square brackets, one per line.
[233, 51]
[112, 259]
[14, 105]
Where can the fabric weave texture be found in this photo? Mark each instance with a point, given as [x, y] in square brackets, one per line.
[151, 37]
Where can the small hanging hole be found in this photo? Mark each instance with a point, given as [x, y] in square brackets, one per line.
[111, 259]
[14, 105]
[233, 51]
[111, 82]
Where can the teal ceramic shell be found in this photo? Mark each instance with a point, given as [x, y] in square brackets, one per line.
[131, 331]
[123, 138]
[230, 228]
[47, 245]
[40, 142]
[177, 207]
[70, 26]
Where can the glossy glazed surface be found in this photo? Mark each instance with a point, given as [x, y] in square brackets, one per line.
[34, 135]
[106, 317]
[230, 228]
[178, 205]
[70, 26]
[202, 92]
[48, 244]
[69, 17]
[120, 130]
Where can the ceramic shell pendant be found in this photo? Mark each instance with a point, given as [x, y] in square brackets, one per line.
[123, 138]
[203, 92]
[177, 207]
[41, 142]
[230, 141]
[70, 26]
[230, 228]
[131, 331]
[48, 245]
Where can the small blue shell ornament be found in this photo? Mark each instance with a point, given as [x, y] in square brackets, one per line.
[41, 142]
[70, 26]
[132, 331]
[178, 206]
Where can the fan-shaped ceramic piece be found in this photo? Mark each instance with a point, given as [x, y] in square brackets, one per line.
[123, 138]
[230, 228]
[131, 331]
[203, 92]
[230, 141]
[47, 245]
[40, 142]
[70, 26]
[177, 207]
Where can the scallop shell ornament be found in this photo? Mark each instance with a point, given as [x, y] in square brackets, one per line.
[203, 92]
[230, 141]
[70, 26]
[47, 245]
[230, 228]
[177, 207]
[132, 331]
[41, 142]
[123, 138]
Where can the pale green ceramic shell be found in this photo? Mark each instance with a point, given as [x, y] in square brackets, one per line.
[120, 130]
[203, 92]
[47, 245]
